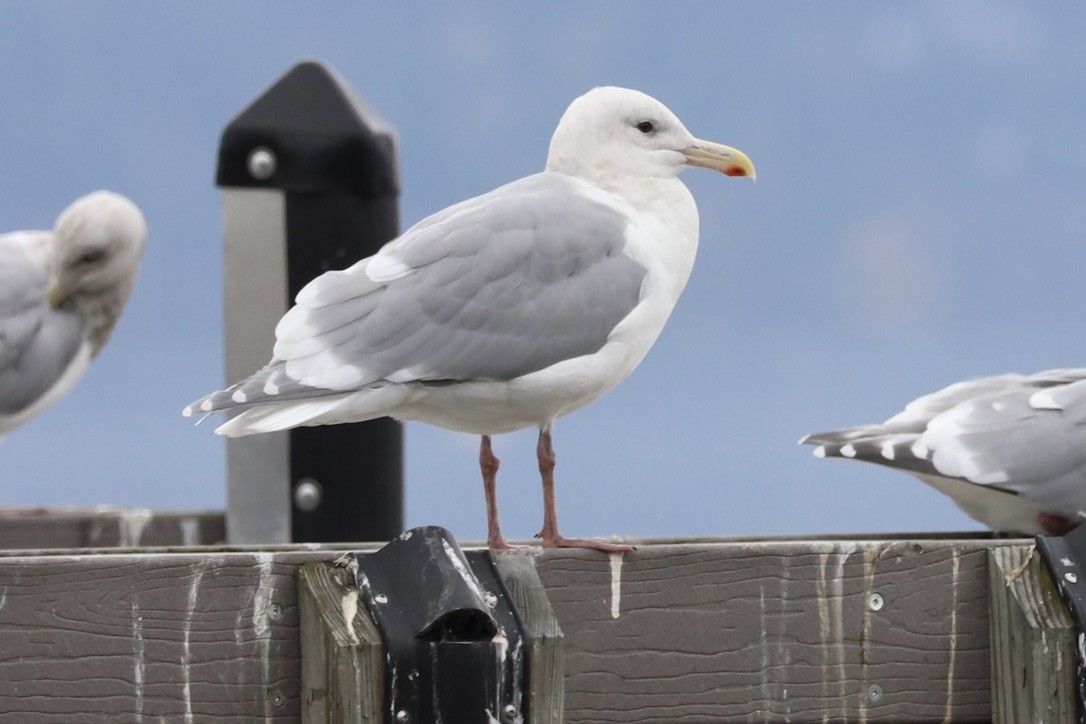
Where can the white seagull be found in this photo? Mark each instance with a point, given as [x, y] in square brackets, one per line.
[1009, 450]
[505, 311]
[61, 293]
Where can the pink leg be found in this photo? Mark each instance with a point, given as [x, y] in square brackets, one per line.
[550, 535]
[489, 464]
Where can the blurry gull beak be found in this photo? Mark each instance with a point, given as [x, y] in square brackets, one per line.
[57, 295]
[718, 157]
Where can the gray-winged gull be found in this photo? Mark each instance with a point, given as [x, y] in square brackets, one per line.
[61, 293]
[505, 311]
[1009, 450]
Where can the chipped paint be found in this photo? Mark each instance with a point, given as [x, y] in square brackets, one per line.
[138, 648]
[616, 583]
[132, 523]
[955, 564]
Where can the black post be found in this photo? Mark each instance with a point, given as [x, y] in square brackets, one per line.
[310, 157]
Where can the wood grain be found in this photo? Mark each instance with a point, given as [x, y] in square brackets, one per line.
[1032, 639]
[746, 631]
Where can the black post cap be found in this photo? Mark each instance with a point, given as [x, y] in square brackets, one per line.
[310, 132]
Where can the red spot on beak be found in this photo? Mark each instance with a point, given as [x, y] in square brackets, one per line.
[735, 171]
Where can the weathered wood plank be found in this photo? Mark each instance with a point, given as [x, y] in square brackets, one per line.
[343, 659]
[546, 672]
[748, 631]
[775, 632]
[1032, 641]
[40, 528]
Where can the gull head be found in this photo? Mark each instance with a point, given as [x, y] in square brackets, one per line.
[612, 131]
[98, 243]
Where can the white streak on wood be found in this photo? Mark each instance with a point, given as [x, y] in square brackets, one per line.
[616, 583]
[784, 652]
[3, 598]
[138, 649]
[823, 626]
[132, 523]
[349, 608]
[871, 557]
[190, 611]
[763, 644]
[838, 606]
[262, 598]
[955, 563]
[190, 531]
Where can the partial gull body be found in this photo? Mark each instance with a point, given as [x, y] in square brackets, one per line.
[61, 293]
[1010, 450]
[505, 311]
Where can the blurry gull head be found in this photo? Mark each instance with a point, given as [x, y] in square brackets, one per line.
[61, 293]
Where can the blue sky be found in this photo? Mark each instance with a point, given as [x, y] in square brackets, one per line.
[918, 218]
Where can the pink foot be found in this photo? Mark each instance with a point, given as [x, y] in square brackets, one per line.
[561, 541]
[499, 544]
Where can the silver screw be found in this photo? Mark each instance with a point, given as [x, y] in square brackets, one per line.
[403, 716]
[308, 494]
[510, 711]
[277, 698]
[874, 692]
[381, 598]
[491, 599]
[1071, 577]
[262, 163]
[875, 602]
[275, 611]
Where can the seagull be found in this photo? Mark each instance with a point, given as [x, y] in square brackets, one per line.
[505, 311]
[1009, 450]
[61, 293]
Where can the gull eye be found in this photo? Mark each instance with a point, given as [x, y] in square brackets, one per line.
[646, 126]
[91, 257]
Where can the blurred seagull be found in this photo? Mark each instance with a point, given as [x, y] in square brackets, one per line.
[505, 311]
[1010, 450]
[61, 293]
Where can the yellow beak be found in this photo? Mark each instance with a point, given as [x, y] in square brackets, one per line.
[718, 157]
[57, 295]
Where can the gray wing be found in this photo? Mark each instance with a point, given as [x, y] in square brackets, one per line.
[494, 288]
[36, 343]
[988, 432]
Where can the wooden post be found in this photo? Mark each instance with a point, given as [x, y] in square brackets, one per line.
[343, 660]
[546, 668]
[1032, 640]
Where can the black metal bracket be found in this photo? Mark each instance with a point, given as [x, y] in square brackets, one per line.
[454, 643]
[1066, 559]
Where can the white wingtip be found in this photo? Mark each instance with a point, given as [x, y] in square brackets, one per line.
[1044, 400]
[920, 451]
[803, 440]
[239, 396]
[887, 451]
[206, 405]
[819, 452]
[849, 451]
[187, 412]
